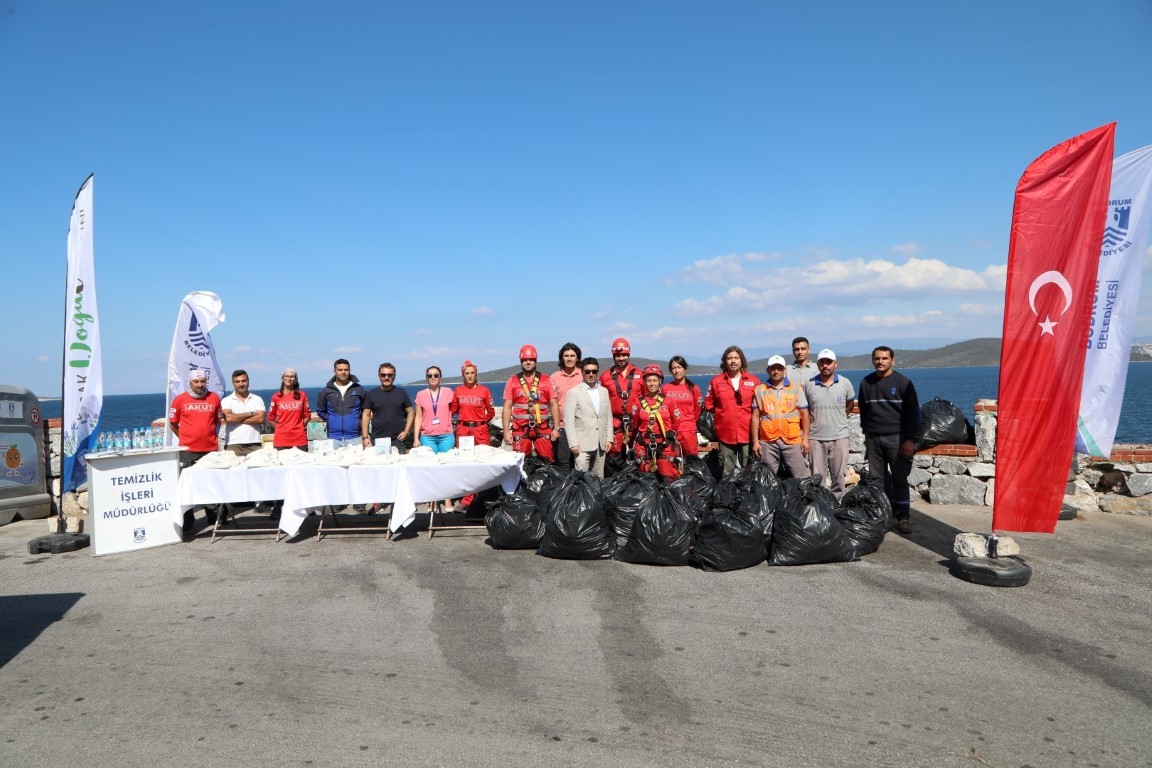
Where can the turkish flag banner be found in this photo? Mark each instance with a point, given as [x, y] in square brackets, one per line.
[1058, 223]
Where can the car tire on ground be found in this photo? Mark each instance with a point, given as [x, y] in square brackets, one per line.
[992, 571]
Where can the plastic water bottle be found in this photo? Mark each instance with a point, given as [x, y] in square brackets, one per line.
[102, 442]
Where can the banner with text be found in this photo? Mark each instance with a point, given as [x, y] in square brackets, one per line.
[83, 383]
[1117, 294]
[1053, 252]
[192, 348]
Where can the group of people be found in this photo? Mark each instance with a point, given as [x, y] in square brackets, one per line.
[595, 420]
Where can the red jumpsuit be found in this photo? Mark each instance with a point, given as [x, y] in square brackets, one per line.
[624, 388]
[686, 400]
[654, 429]
[531, 425]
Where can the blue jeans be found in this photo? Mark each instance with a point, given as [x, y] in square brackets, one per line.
[439, 443]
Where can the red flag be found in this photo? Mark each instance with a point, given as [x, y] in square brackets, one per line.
[1057, 226]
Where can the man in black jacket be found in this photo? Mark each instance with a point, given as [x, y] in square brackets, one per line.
[890, 418]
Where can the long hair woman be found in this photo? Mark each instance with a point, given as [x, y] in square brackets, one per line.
[686, 400]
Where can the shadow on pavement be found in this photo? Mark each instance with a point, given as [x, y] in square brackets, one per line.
[24, 617]
[932, 534]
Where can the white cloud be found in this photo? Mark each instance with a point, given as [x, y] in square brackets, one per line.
[621, 327]
[601, 315]
[836, 280]
[482, 311]
[910, 248]
[421, 333]
[242, 349]
[43, 358]
[433, 352]
[347, 350]
[719, 270]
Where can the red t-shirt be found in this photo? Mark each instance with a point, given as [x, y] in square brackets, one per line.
[197, 420]
[631, 386]
[685, 398]
[473, 403]
[291, 419]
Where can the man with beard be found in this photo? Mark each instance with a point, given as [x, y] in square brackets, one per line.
[623, 383]
[195, 418]
[731, 394]
[530, 413]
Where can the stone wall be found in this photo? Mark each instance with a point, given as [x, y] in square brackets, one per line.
[966, 474]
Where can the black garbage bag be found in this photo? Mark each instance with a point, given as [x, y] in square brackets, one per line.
[806, 529]
[714, 463]
[697, 484]
[663, 531]
[865, 514]
[514, 522]
[624, 494]
[942, 423]
[760, 475]
[706, 425]
[542, 477]
[575, 527]
[495, 435]
[728, 540]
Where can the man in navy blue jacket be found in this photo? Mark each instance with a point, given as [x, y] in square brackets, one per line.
[339, 404]
[890, 418]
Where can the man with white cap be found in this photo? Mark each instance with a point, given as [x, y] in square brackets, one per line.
[195, 418]
[831, 398]
[780, 422]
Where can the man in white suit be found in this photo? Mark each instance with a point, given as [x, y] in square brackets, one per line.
[588, 419]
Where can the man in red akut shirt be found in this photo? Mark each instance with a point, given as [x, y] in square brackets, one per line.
[623, 383]
[731, 394]
[195, 418]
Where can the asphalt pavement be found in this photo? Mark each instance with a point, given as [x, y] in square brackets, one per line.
[359, 651]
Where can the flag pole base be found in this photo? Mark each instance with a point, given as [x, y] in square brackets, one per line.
[58, 543]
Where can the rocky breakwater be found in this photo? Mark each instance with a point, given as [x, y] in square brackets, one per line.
[966, 474]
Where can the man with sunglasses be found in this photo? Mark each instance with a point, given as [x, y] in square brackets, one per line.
[387, 412]
[588, 419]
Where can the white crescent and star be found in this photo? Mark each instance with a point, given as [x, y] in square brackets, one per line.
[1052, 277]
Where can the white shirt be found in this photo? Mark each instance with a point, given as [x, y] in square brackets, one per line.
[242, 434]
[593, 395]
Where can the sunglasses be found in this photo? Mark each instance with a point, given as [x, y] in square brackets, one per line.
[591, 371]
[432, 376]
[739, 399]
[387, 375]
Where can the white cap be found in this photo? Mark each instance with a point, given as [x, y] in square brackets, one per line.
[197, 373]
[826, 354]
[776, 360]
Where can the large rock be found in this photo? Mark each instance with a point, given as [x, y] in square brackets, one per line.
[990, 493]
[1006, 546]
[957, 489]
[1091, 475]
[1079, 487]
[986, 436]
[1140, 484]
[970, 545]
[1083, 504]
[982, 469]
[921, 461]
[1126, 505]
[948, 466]
[1144, 467]
[918, 476]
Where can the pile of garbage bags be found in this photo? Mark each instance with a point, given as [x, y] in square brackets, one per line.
[746, 518]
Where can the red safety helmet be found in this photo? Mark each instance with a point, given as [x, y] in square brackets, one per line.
[621, 345]
[653, 370]
[528, 352]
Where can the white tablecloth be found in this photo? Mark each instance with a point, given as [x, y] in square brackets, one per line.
[313, 485]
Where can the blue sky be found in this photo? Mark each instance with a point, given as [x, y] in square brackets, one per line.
[428, 182]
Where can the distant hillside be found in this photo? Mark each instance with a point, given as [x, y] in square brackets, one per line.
[974, 352]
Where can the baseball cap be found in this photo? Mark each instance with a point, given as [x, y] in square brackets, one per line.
[776, 360]
[826, 354]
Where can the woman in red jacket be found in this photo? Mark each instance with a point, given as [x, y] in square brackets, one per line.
[686, 400]
[653, 427]
[731, 394]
